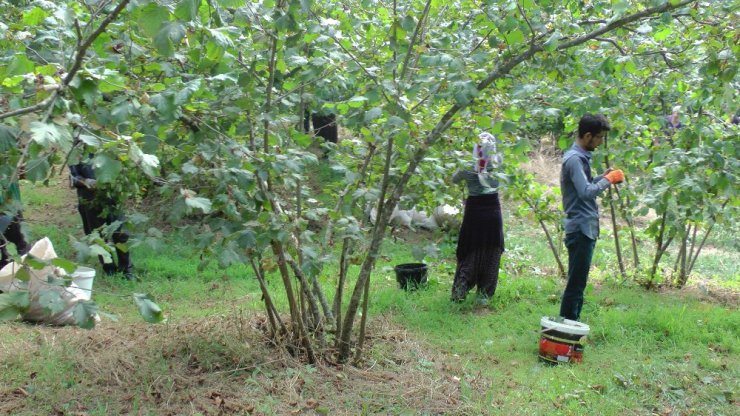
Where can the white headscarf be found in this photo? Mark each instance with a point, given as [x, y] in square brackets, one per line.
[485, 153]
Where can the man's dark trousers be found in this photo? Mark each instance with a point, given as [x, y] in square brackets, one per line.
[580, 251]
[92, 219]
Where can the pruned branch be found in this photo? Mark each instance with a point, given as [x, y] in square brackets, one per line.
[613, 42]
[592, 22]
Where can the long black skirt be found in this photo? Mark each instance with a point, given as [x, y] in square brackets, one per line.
[479, 247]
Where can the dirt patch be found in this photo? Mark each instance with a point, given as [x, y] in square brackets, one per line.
[58, 206]
[544, 167]
[224, 365]
[706, 290]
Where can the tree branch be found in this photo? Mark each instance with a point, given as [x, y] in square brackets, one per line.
[79, 57]
[526, 19]
[417, 30]
[622, 22]
[613, 42]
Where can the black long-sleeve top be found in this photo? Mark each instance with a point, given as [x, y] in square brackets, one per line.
[78, 174]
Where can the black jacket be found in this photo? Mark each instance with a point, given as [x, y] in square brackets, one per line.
[80, 172]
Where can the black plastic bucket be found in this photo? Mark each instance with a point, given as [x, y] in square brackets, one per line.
[411, 275]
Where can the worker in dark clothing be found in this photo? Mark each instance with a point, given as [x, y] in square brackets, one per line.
[10, 225]
[580, 190]
[324, 125]
[97, 210]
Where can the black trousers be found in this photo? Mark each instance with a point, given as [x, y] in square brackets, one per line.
[580, 253]
[92, 219]
[13, 234]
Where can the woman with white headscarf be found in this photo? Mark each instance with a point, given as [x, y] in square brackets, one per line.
[481, 240]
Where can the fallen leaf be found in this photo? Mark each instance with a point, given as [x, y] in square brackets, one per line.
[312, 403]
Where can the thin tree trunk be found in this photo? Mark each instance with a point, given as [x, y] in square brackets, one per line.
[339, 295]
[369, 263]
[704, 239]
[363, 322]
[698, 250]
[550, 241]
[682, 277]
[346, 243]
[617, 245]
[633, 239]
[272, 313]
[660, 248]
[297, 320]
[554, 250]
[306, 289]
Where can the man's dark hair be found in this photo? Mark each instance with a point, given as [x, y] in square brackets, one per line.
[593, 123]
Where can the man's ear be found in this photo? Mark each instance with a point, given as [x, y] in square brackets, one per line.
[586, 138]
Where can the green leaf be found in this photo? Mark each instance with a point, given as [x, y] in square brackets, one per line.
[106, 168]
[150, 311]
[619, 7]
[113, 81]
[228, 257]
[214, 51]
[44, 134]
[51, 300]
[644, 28]
[187, 10]
[302, 140]
[23, 274]
[507, 126]
[84, 313]
[203, 204]
[165, 105]
[37, 169]
[408, 23]
[86, 91]
[372, 114]
[152, 18]
[13, 304]
[552, 42]
[90, 140]
[97, 250]
[7, 138]
[356, 102]
[35, 16]
[515, 37]
[247, 239]
[148, 163]
[395, 121]
[19, 65]
[65, 264]
[233, 4]
[306, 5]
[170, 34]
[663, 34]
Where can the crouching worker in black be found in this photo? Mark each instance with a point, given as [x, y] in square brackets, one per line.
[97, 209]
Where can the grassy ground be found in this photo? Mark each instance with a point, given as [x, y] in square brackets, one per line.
[662, 352]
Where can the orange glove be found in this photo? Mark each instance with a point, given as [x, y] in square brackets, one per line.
[615, 176]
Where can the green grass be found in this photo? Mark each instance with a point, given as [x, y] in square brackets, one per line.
[649, 352]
